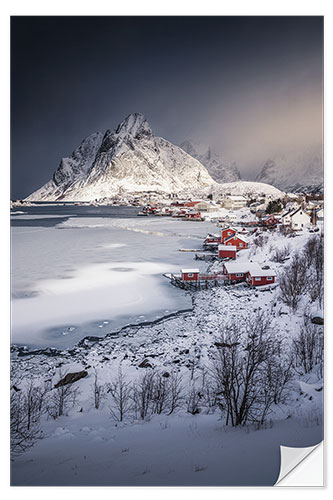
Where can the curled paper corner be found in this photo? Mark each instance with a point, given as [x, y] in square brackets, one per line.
[296, 469]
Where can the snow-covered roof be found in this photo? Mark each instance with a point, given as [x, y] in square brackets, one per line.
[242, 267]
[212, 235]
[235, 198]
[238, 235]
[227, 247]
[190, 270]
[262, 272]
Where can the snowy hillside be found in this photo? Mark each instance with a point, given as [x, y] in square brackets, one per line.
[218, 167]
[296, 172]
[248, 189]
[126, 160]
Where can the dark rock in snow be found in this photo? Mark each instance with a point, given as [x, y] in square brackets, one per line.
[70, 378]
[317, 320]
[145, 364]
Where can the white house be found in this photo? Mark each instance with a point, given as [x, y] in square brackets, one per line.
[233, 202]
[299, 219]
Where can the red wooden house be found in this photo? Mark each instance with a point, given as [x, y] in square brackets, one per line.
[191, 204]
[260, 277]
[190, 274]
[192, 216]
[270, 220]
[227, 252]
[226, 233]
[212, 239]
[235, 271]
[237, 240]
[249, 272]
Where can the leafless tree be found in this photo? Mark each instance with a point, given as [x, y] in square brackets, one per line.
[143, 394]
[293, 282]
[313, 252]
[98, 391]
[121, 394]
[160, 393]
[175, 392]
[309, 346]
[26, 408]
[242, 368]
[61, 398]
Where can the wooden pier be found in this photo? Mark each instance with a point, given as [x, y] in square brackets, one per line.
[204, 281]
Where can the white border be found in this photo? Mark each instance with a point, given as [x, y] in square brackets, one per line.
[144, 7]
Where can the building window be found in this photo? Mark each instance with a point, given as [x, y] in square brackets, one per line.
[190, 275]
[257, 279]
[269, 278]
[239, 275]
[241, 244]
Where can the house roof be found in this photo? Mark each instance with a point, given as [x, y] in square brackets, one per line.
[294, 213]
[235, 198]
[252, 268]
[262, 272]
[212, 235]
[227, 247]
[241, 267]
[195, 270]
[237, 235]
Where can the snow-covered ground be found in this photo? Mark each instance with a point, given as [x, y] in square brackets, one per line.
[86, 446]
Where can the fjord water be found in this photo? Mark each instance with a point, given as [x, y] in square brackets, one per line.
[84, 270]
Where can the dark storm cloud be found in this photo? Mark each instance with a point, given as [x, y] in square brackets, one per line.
[250, 86]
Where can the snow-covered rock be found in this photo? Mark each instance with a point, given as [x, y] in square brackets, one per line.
[248, 189]
[218, 167]
[297, 172]
[128, 159]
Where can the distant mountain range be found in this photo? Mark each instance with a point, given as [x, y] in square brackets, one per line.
[295, 172]
[131, 159]
[220, 169]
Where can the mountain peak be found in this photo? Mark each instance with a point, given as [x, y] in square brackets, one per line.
[135, 125]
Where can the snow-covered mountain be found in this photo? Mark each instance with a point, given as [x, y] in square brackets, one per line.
[295, 172]
[126, 160]
[218, 167]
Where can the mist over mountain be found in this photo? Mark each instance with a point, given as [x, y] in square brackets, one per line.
[295, 172]
[220, 169]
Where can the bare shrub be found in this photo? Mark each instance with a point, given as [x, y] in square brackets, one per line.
[281, 254]
[260, 240]
[121, 394]
[193, 400]
[26, 408]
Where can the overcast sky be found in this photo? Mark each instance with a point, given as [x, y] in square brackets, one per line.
[249, 86]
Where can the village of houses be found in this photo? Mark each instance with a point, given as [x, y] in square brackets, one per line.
[235, 232]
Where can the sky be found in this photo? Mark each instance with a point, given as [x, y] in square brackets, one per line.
[250, 87]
